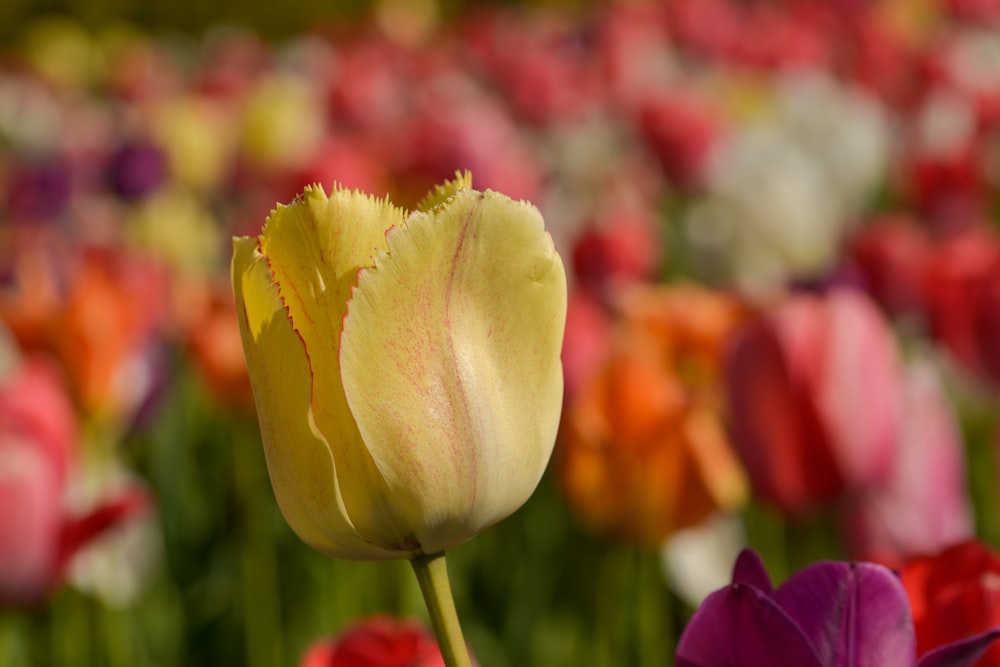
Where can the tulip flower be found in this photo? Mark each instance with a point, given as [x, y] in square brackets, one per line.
[954, 595]
[99, 326]
[923, 506]
[213, 341]
[814, 399]
[697, 561]
[379, 641]
[620, 245]
[891, 255]
[405, 368]
[830, 614]
[963, 292]
[681, 132]
[137, 169]
[38, 535]
[826, 149]
[643, 452]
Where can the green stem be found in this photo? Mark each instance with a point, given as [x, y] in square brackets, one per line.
[653, 624]
[432, 575]
[8, 640]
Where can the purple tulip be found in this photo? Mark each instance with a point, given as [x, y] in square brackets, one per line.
[137, 169]
[830, 614]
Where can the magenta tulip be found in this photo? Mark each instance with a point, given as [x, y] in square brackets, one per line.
[830, 614]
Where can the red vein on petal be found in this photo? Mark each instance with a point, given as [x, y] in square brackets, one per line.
[473, 451]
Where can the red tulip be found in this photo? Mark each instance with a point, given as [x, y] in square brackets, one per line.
[681, 132]
[954, 595]
[892, 255]
[379, 641]
[883, 60]
[813, 399]
[950, 189]
[963, 295]
[537, 64]
[588, 331]
[708, 26]
[621, 245]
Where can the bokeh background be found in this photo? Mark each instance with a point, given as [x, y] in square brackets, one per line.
[780, 222]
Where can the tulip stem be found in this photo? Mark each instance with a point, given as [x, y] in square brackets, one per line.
[432, 575]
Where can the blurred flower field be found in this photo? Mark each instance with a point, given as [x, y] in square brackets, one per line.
[780, 224]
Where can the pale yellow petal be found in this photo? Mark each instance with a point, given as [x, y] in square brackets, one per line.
[315, 247]
[450, 360]
[441, 193]
[298, 458]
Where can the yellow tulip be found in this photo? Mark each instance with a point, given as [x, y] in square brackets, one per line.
[405, 368]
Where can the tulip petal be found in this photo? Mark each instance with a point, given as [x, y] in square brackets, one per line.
[442, 193]
[750, 570]
[859, 396]
[461, 323]
[740, 626]
[962, 653]
[775, 426]
[315, 247]
[854, 614]
[299, 461]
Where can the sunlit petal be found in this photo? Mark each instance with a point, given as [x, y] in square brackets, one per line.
[450, 361]
[299, 461]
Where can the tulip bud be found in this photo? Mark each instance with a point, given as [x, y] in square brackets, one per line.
[405, 368]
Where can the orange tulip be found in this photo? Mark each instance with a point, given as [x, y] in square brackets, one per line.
[95, 310]
[643, 452]
[213, 341]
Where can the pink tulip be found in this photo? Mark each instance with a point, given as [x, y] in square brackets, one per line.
[38, 433]
[455, 131]
[923, 507]
[813, 399]
[634, 51]
[536, 64]
[37, 436]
